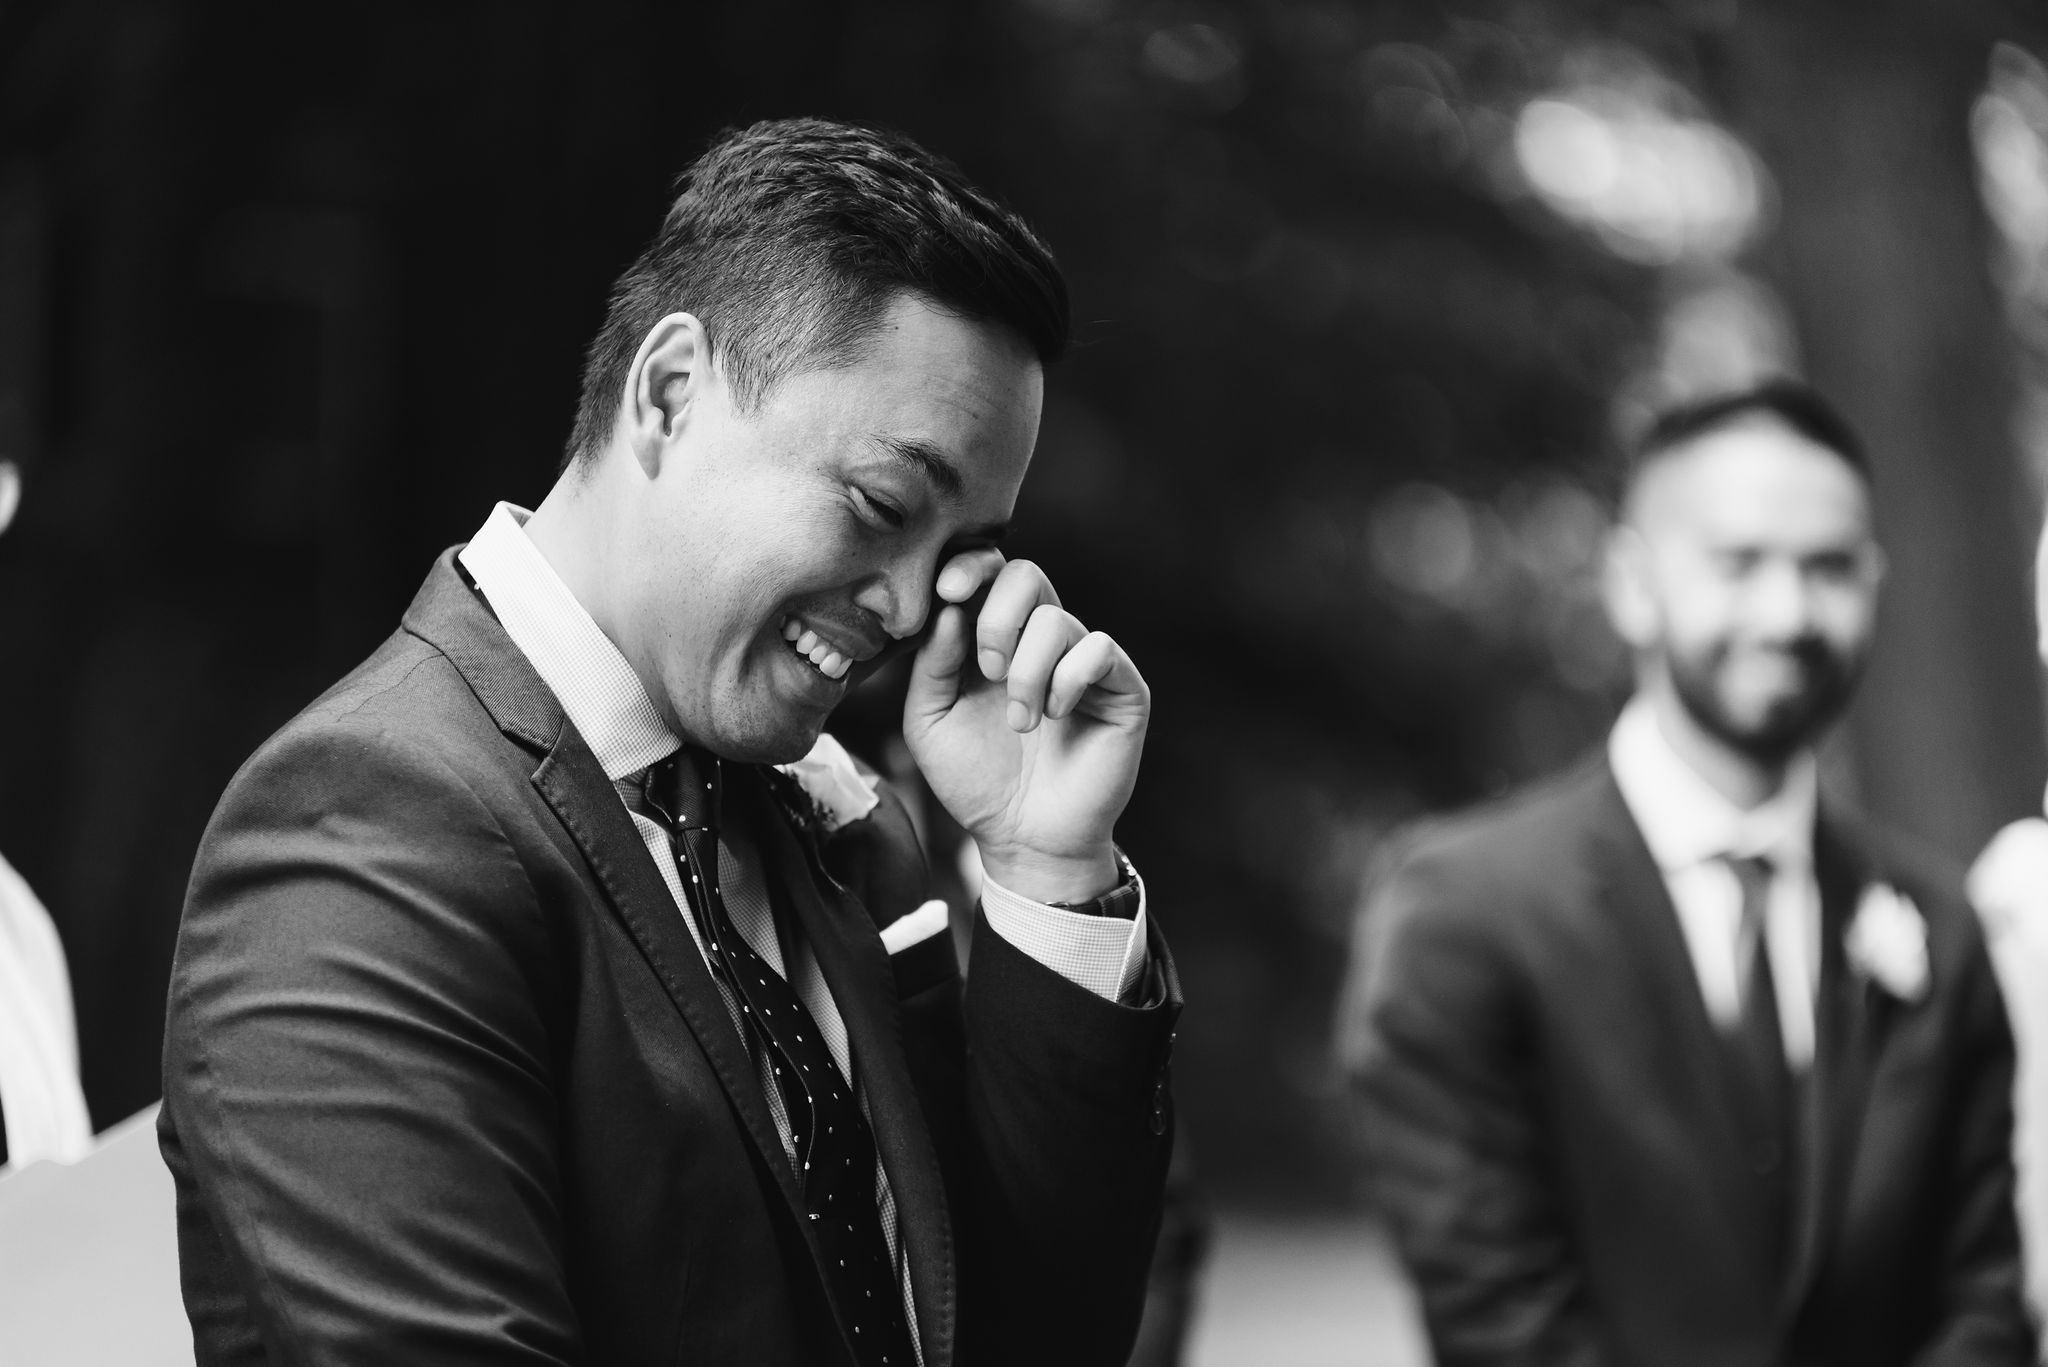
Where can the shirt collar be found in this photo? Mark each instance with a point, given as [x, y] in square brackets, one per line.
[590, 678]
[1686, 822]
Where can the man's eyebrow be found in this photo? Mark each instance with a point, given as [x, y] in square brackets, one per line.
[938, 468]
[928, 460]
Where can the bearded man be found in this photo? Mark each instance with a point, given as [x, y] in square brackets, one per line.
[1668, 1060]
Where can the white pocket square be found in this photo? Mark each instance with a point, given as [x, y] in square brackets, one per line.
[914, 929]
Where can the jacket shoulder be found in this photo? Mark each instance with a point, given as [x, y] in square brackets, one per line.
[407, 705]
[1473, 886]
[1505, 839]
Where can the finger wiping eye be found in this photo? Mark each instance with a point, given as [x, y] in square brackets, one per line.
[965, 573]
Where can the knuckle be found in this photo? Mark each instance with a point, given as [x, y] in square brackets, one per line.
[1029, 575]
[997, 628]
[1028, 683]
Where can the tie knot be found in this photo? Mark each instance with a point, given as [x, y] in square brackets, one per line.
[1753, 876]
[686, 787]
[1751, 870]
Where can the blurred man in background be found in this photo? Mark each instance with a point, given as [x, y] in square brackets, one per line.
[42, 1109]
[1667, 1060]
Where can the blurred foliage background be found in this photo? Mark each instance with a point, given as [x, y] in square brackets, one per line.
[289, 296]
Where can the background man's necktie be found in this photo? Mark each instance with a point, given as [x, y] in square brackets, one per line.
[1758, 1048]
[835, 1149]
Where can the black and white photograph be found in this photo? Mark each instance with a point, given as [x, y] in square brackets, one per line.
[1129, 683]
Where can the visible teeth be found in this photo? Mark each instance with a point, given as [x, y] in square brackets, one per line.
[824, 657]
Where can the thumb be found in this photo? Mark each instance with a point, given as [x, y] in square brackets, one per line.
[935, 670]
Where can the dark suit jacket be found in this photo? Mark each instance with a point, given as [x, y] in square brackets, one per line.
[447, 1080]
[1551, 1123]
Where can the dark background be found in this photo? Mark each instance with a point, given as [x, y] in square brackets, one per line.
[289, 296]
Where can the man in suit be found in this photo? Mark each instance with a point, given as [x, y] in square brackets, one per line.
[525, 1010]
[1667, 1060]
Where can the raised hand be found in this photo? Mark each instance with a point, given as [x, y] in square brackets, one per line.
[1028, 727]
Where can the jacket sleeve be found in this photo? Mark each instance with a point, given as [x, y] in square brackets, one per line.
[1436, 1037]
[1051, 1109]
[1983, 1314]
[1069, 1131]
[356, 1084]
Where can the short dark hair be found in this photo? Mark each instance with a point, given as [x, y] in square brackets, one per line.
[1792, 403]
[789, 239]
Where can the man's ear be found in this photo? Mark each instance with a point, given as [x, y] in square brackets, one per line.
[1625, 587]
[667, 380]
[10, 492]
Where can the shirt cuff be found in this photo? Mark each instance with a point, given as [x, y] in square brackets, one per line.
[1104, 954]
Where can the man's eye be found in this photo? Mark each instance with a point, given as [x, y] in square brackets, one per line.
[878, 510]
[1834, 568]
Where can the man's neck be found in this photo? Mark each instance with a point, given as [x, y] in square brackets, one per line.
[567, 530]
[1741, 778]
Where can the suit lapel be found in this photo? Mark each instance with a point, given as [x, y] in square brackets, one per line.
[1692, 1063]
[861, 979]
[449, 614]
[1847, 1037]
[589, 809]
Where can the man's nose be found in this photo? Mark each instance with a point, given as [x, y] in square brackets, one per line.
[1781, 600]
[900, 598]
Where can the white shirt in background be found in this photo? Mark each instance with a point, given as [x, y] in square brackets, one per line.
[39, 1091]
[2009, 887]
[1692, 830]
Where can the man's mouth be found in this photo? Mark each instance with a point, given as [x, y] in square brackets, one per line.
[1791, 666]
[822, 655]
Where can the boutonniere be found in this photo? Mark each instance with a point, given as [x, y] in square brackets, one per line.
[1887, 942]
[835, 789]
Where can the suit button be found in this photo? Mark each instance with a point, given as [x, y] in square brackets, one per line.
[1159, 1107]
[1765, 1157]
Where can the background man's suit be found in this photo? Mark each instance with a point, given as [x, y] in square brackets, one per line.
[1550, 1125]
[527, 1130]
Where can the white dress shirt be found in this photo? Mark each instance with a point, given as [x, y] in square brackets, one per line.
[2009, 887]
[45, 1109]
[1692, 830]
[603, 697]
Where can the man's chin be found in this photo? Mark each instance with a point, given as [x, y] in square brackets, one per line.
[1767, 726]
[1774, 731]
[772, 736]
[757, 718]
[780, 746]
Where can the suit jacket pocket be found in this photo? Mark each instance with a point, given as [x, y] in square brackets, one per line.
[925, 965]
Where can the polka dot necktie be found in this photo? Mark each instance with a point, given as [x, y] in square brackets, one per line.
[835, 1150]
